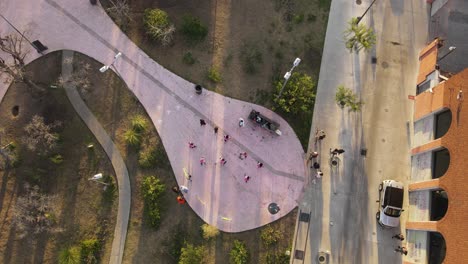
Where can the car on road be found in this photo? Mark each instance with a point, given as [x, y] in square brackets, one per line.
[390, 203]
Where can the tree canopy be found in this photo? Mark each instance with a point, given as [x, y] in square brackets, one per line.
[298, 94]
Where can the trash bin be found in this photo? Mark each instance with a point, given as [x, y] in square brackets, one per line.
[198, 89]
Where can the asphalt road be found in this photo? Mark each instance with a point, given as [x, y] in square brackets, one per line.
[342, 204]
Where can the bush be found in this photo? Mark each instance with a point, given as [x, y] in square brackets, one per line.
[70, 255]
[214, 75]
[311, 18]
[239, 253]
[148, 158]
[276, 258]
[298, 94]
[188, 58]
[90, 250]
[158, 26]
[57, 159]
[298, 18]
[109, 193]
[270, 236]
[133, 138]
[191, 255]
[209, 231]
[152, 189]
[250, 57]
[139, 123]
[193, 30]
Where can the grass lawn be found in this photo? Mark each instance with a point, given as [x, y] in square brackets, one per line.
[114, 105]
[262, 37]
[84, 210]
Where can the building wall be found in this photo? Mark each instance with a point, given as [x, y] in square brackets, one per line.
[454, 225]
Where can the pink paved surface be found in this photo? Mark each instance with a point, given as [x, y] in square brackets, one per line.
[217, 193]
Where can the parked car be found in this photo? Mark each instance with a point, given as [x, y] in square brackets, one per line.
[264, 122]
[390, 203]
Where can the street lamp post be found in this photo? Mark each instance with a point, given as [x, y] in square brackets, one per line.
[288, 74]
[106, 67]
[359, 18]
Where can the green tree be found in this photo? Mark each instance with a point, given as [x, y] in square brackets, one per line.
[358, 36]
[70, 255]
[250, 57]
[346, 97]
[191, 254]
[152, 189]
[158, 26]
[193, 30]
[298, 94]
[239, 253]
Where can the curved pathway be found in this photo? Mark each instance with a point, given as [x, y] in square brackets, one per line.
[217, 193]
[121, 172]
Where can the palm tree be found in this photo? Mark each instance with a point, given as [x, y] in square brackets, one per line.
[358, 36]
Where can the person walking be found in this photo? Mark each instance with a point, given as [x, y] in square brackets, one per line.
[319, 174]
[313, 155]
[202, 122]
[401, 250]
[399, 236]
[215, 130]
[222, 161]
[259, 164]
[190, 177]
[202, 161]
[226, 138]
[180, 199]
[176, 189]
[184, 189]
[246, 178]
[319, 135]
[241, 122]
[191, 145]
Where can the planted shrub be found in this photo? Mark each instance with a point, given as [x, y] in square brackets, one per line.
[158, 25]
[239, 253]
[209, 231]
[250, 57]
[191, 254]
[148, 158]
[214, 75]
[70, 255]
[90, 250]
[139, 123]
[188, 58]
[270, 236]
[193, 30]
[152, 189]
[57, 159]
[133, 138]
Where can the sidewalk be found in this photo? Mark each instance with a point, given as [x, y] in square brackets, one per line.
[342, 204]
[112, 152]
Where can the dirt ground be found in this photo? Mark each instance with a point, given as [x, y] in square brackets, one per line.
[84, 211]
[280, 30]
[114, 105]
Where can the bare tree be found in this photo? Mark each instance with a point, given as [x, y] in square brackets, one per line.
[79, 77]
[120, 12]
[35, 212]
[13, 46]
[39, 136]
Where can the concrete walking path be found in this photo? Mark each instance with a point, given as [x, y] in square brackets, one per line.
[121, 172]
